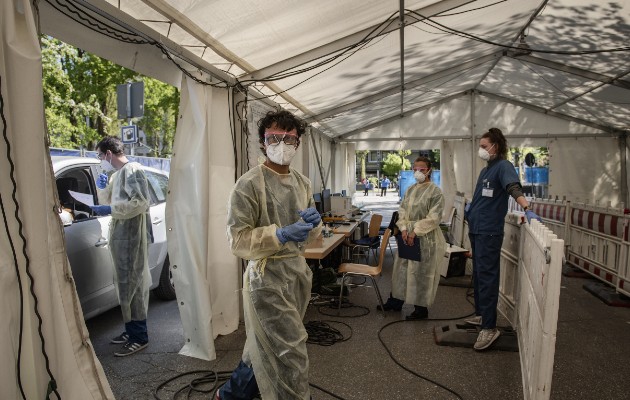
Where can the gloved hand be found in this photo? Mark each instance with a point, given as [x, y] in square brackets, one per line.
[466, 210]
[297, 232]
[101, 210]
[311, 216]
[529, 214]
[101, 181]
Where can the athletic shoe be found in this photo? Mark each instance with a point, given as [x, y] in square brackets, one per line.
[129, 348]
[476, 320]
[486, 338]
[120, 339]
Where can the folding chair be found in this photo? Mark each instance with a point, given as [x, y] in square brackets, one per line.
[371, 241]
[368, 271]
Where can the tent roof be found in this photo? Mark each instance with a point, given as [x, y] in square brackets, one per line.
[343, 65]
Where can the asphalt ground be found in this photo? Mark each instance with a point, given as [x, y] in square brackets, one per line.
[388, 357]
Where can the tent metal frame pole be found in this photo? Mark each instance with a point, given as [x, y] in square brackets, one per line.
[402, 56]
[472, 141]
[397, 139]
[397, 117]
[319, 161]
[556, 114]
[623, 154]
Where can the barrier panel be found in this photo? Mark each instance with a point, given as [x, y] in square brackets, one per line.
[529, 287]
[597, 238]
[508, 285]
[537, 300]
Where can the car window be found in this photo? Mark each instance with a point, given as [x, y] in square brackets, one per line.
[77, 180]
[158, 184]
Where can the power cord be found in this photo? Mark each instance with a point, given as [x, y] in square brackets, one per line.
[321, 333]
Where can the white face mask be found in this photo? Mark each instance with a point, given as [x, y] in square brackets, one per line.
[281, 154]
[484, 154]
[420, 177]
[107, 166]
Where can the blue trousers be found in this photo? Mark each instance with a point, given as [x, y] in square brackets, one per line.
[486, 252]
[137, 331]
[241, 385]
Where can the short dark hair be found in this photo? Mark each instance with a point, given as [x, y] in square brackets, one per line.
[495, 136]
[111, 143]
[426, 161]
[284, 120]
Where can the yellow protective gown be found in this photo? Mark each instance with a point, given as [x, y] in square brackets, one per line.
[277, 281]
[416, 282]
[127, 193]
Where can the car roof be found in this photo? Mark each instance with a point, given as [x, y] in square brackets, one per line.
[62, 162]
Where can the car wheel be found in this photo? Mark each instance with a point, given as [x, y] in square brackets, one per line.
[166, 289]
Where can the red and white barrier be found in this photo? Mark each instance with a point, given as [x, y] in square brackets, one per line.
[598, 243]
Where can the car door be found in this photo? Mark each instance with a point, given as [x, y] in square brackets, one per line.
[158, 184]
[86, 243]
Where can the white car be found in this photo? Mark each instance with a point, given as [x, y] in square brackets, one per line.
[86, 235]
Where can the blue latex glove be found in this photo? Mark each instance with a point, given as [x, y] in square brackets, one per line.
[297, 232]
[466, 210]
[529, 214]
[101, 210]
[101, 181]
[311, 216]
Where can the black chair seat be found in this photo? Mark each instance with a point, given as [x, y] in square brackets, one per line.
[368, 241]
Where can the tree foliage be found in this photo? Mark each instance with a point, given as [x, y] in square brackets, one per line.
[362, 155]
[80, 100]
[396, 162]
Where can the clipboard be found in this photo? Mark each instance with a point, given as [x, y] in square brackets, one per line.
[409, 252]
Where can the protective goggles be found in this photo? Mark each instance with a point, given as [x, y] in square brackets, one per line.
[274, 138]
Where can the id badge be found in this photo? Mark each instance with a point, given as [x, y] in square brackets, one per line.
[487, 192]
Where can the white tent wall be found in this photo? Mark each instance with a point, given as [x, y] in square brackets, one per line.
[35, 276]
[571, 145]
[344, 169]
[319, 156]
[573, 163]
[202, 176]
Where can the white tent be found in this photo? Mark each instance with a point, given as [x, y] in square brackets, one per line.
[366, 74]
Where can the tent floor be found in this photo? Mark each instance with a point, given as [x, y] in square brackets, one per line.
[591, 357]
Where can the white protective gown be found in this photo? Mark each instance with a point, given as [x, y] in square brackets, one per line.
[277, 281]
[127, 193]
[416, 282]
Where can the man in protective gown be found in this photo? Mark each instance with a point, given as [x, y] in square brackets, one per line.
[271, 217]
[126, 196]
[419, 215]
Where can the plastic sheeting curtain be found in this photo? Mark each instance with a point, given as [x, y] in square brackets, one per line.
[32, 250]
[205, 273]
[449, 181]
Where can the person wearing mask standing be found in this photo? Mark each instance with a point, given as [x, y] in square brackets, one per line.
[271, 217]
[486, 217]
[125, 195]
[419, 215]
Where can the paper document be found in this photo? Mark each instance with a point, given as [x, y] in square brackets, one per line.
[86, 199]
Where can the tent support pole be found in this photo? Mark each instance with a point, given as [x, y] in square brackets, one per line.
[623, 156]
[472, 141]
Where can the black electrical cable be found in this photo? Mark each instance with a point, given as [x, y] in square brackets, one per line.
[466, 35]
[321, 333]
[401, 365]
[110, 32]
[52, 384]
[196, 385]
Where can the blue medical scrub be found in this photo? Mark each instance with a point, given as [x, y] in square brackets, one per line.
[486, 218]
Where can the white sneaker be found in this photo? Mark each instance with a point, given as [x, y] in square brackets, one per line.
[476, 320]
[486, 338]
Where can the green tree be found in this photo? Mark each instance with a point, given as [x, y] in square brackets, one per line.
[403, 154]
[80, 99]
[362, 155]
[394, 163]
